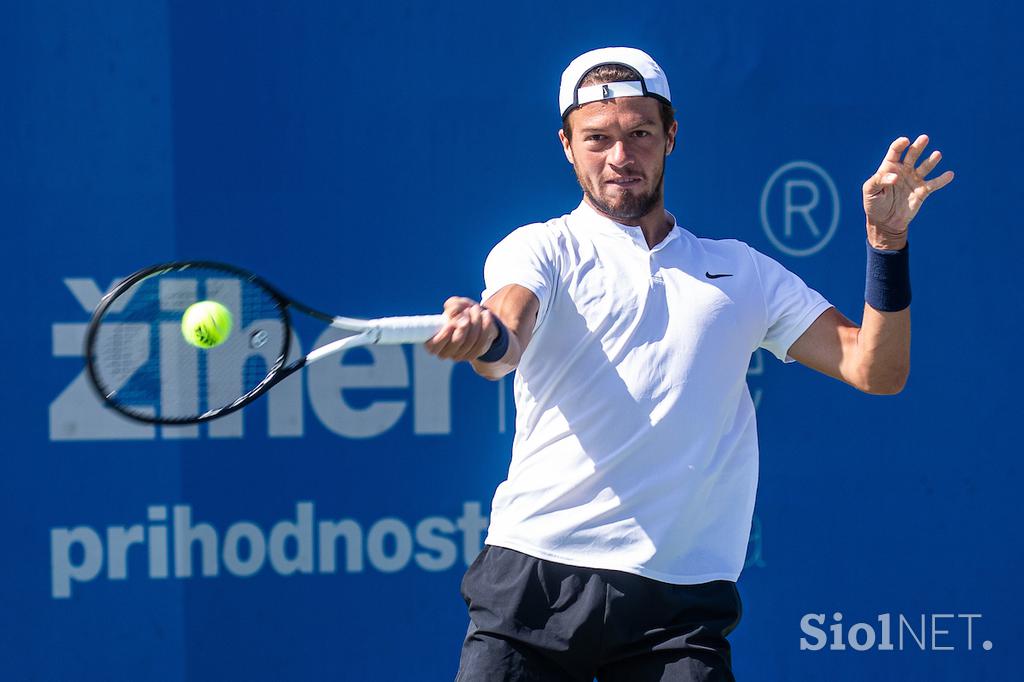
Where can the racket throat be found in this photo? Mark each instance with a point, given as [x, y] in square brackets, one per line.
[363, 339]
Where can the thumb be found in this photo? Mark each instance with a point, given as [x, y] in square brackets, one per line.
[877, 183]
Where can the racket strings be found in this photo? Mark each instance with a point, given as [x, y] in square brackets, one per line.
[144, 366]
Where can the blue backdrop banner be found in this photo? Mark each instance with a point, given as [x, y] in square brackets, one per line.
[365, 157]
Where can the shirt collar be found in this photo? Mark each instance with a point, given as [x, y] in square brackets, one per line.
[586, 214]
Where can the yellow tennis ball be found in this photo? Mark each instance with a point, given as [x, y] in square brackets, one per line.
[206, 324]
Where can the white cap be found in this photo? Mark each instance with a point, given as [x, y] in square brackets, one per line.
[652, 83]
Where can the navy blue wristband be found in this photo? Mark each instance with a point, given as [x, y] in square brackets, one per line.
[887, 286]
[497, 350]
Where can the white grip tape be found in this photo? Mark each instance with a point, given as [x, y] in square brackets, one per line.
[411, 329]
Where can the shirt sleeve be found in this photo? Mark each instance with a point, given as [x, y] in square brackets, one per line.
[790, 305]
[525, 257]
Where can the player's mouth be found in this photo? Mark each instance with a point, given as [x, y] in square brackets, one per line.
[625, 182]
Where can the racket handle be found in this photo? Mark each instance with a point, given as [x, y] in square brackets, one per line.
[410, 329]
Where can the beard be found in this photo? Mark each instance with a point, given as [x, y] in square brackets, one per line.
[628, 205]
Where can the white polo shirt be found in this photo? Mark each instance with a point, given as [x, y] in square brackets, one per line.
[636, 443]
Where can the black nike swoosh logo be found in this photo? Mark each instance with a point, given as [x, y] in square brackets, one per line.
[710, 276]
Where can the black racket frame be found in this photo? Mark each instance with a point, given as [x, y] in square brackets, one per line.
[275, 373]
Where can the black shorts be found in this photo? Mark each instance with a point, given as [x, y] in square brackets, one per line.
[532, 619]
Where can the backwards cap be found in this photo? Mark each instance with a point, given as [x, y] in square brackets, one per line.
[652, 83]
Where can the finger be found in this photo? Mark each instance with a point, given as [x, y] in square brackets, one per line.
[455, 305]
[459, 330]
[446, 350]
[434, 347]
[929, 164]
[939, 182]
[469, 330]
[915, 150]
[895, 150]
[466, 334]
[440, 340]
[473, 333]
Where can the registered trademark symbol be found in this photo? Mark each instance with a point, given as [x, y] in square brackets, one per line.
[800, 208]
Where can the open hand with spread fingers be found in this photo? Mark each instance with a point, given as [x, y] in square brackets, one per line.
[894, 194]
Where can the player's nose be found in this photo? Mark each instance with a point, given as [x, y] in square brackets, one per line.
[619, 154]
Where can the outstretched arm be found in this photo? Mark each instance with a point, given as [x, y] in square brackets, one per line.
[875, 357]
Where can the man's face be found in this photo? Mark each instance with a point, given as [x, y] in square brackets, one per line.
[618, 151]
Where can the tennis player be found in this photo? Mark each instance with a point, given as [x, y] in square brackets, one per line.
[616, 541]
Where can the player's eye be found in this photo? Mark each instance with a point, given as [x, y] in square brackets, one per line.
[641, 133]
[595, 137]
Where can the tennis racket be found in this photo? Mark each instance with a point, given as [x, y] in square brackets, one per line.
[142, 366]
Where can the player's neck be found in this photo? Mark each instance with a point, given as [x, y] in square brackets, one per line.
[655, 224]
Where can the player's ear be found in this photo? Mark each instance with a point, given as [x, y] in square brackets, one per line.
[670, 145]
[566, 146]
